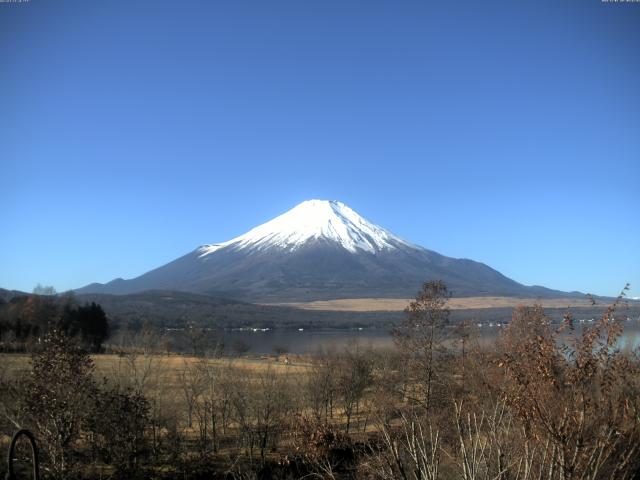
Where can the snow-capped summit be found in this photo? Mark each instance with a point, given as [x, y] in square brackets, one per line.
[312, 220]
[318, 250]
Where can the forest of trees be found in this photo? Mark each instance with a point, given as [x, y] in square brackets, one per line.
[437, 406]
[25, 319]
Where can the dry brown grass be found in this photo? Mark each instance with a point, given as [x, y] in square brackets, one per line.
[171, 365]
[399, 304]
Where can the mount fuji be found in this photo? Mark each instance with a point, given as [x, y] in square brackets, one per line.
[319, 250]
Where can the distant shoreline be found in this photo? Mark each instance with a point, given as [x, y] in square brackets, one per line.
[464, 303]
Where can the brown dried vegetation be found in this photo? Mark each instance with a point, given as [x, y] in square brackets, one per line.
[545, 402]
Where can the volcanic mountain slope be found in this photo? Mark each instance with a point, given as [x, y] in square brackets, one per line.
[319, 250]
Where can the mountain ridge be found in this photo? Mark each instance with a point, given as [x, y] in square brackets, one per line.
[319, 250]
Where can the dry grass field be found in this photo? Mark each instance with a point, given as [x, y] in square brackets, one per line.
[166, 378]
[177, 388]
[399, 304]
[170, 366]
[354, 414]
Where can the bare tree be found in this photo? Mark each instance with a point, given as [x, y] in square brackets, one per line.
[192, 384]
[210, 403]
[354, 375]
[321, 385]
[411, 450]
[40, 289]
[261, 405]
[420, 337]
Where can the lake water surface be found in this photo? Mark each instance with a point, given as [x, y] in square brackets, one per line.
[307, 341]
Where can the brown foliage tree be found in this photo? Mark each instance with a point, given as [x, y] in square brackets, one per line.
[579, 401]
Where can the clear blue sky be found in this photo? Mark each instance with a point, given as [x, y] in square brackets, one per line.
[503, 131]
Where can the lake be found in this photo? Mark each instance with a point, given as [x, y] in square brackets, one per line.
[305, 341]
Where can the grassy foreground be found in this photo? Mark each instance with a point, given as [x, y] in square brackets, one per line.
[437, 407]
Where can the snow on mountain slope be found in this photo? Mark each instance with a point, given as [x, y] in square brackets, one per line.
[312, 220]
[319, 250]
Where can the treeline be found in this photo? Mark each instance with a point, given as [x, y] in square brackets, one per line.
[170, 309]
[439, 406]
[25, 319]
